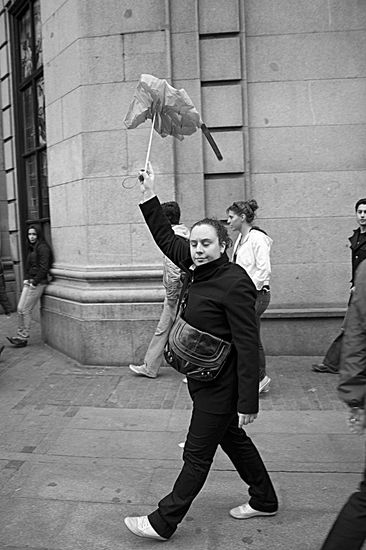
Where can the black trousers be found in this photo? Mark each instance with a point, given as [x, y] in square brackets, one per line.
[349, 529]
[332, 357]
[206, 432]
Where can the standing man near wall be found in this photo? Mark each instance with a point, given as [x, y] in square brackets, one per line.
[349, 529]
[331, 360]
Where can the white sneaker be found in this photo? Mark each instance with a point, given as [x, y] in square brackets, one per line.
[142, 370]
[264, 384]
[141, 527]
[182, 444]
[185, 381]
[245, 511]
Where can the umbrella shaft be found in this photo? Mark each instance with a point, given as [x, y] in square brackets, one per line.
[150, 141]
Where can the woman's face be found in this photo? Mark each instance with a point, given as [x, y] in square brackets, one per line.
[32, 235]
[235, 221]
[205, 246]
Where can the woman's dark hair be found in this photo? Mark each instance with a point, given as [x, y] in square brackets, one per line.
[244, 207]
[172, 211]
[361, 201]
[38, 229]
[220, 229]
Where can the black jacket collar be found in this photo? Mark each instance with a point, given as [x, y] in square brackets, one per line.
[355, 237]
[205, 271]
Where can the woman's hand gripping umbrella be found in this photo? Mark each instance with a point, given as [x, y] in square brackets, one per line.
[172, 112]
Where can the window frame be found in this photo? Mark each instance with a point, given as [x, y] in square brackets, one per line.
[38, 150]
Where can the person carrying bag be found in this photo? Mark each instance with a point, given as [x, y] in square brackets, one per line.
[193, 352]
[214, 341]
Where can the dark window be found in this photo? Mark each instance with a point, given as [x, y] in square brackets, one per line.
[30, 113]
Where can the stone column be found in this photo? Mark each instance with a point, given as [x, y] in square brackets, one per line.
[105, 299]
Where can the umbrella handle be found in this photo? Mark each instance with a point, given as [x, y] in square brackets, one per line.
[150, 140]
[211, 140]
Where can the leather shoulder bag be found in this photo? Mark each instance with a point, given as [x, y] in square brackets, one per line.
[194, 353]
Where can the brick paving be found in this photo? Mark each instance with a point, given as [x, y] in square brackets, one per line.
[57, 381]
[82, 447]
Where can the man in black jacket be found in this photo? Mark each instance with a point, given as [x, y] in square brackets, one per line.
[330, 362]
[349, 529]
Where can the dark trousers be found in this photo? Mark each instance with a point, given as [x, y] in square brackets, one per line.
[333, 356]
[349, 529]
[206, 432]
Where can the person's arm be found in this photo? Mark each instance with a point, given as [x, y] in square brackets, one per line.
[173, 246]
[172, 280]
[261, 251]
[147, 181]
[240, 312]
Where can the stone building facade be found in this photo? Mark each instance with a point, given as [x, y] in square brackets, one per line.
[282, 87]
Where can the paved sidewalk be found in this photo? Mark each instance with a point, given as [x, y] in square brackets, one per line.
[82, 447]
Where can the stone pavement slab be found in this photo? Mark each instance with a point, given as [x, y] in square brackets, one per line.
[98, 525]
[90, 525]
[81, 447]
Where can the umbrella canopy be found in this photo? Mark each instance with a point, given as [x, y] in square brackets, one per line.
[172, 111]
[175, 114]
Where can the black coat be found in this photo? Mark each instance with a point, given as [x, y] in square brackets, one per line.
[352, 386]
[38, 262]
[358, 248]
[221, 301]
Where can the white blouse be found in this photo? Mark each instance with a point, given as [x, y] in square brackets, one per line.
[253, 254]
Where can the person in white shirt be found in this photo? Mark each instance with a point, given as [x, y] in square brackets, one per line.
[172, 281]
[252, 252]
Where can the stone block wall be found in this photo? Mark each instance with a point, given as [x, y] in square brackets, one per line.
[306, 91]
[282, 92]
[280, 84]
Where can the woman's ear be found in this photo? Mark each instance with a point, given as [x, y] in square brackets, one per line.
[222, 247]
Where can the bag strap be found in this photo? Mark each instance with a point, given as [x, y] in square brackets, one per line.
[187, 281]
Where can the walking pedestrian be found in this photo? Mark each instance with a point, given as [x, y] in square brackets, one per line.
[4, 300]
[37, 265]
[252, 251]
[330, 363]
[172, 281]
[349, 529]
[219, 304]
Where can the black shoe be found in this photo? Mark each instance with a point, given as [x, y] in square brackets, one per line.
[17, 341]
[324, 368]
[1, 349]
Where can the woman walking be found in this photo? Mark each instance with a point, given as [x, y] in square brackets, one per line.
[38, 263]
[219, 302]
[252, 252]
